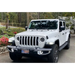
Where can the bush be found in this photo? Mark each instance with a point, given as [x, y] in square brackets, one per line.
[0, 31]
[18, 30]
[72, 27]
[4, 41]
[67, 25]
[10, 34]
[5, 35]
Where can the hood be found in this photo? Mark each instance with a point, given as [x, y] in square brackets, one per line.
[36, 32]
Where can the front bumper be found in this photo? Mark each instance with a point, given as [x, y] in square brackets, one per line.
[39, 51]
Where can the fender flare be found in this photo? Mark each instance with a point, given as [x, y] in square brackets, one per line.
[53, 40]
[68, 36]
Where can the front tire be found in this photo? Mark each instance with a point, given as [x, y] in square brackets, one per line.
[54, 55]
[15, 56]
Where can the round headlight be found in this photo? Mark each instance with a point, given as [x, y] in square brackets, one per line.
[42, 39]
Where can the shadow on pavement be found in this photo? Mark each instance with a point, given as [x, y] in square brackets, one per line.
[32, 60]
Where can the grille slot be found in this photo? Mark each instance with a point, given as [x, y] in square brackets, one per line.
[29, 40]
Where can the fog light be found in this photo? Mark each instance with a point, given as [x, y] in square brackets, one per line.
[12, 50]
[40, 52]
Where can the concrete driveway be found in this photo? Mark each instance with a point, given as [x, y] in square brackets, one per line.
[68, 55]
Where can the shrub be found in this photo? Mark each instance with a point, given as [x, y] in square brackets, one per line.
[1, 32]
[4, 41]
[67, 25]
[17, 30]
[10, 33]
[72, 27]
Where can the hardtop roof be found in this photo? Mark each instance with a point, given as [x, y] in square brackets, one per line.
[47, 19]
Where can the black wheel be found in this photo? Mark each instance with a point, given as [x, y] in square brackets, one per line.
[68, 45]
[15, 56]
[54, 55]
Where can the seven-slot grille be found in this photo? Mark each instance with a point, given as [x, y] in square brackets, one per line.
[28, 40]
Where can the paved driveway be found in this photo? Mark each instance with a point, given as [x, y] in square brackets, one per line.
[68, 55]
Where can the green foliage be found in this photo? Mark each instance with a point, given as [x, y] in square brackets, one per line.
[17, 29]
[0, 32]
[5, 35]
[67, 25]
[13, 17]
[72, 27]
[10, 32]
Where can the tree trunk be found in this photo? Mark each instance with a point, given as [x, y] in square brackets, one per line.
[38, 14]
[27, 18]
[19, 18]
[7, 23]
[2, 16]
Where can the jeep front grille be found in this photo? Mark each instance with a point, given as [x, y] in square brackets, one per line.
[28, 40]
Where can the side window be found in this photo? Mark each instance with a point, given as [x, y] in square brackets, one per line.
[64, 25]
[60, 24]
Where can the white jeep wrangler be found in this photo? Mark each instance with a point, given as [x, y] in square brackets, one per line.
[44, 37]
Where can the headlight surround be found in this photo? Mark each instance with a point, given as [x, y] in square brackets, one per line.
[42, 39]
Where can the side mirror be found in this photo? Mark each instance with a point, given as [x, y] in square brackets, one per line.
[26, 27]
[62, 28]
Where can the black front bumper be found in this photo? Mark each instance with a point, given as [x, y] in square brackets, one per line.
[45, 51]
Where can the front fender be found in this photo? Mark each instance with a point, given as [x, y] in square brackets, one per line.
[68, 34]
[52, 40]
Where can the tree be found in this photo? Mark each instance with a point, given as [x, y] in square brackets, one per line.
[27, 18]
[7, 20]
[19, 18]
[72, 16]
[38, 15]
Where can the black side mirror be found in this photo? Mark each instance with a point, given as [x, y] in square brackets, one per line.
[26, 27]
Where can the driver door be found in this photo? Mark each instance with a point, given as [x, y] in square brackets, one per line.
[61, 33]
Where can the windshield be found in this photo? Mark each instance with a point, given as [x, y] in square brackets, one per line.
[43, 25]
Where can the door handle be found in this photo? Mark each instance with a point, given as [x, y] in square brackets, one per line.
[65, 32]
